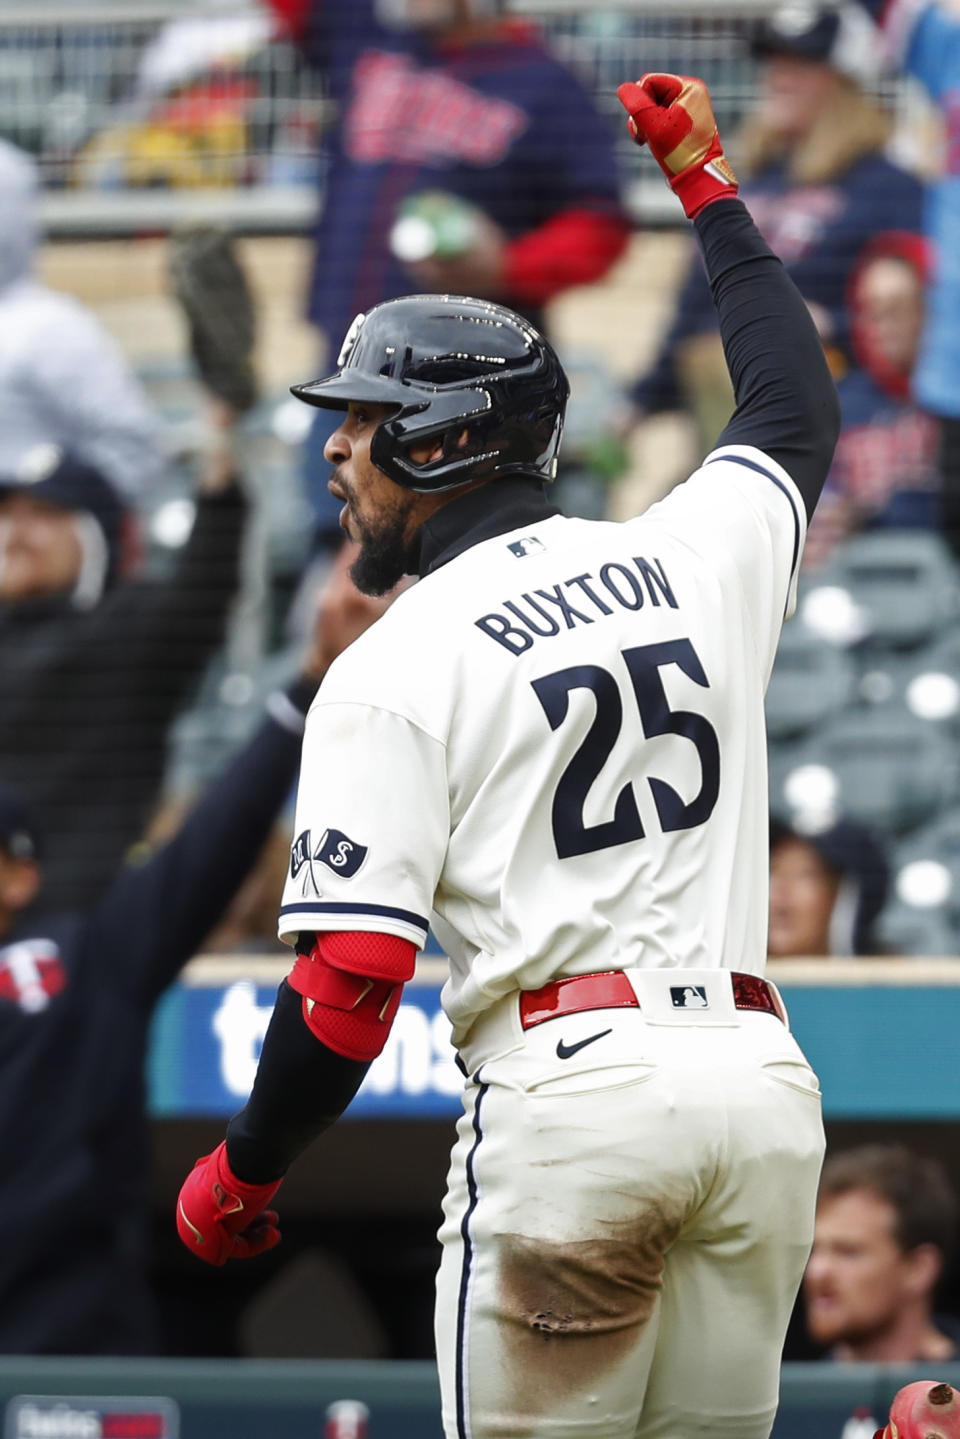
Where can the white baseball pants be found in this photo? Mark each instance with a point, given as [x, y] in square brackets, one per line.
[627, 1222]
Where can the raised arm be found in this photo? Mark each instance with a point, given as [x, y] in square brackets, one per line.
[787, 403]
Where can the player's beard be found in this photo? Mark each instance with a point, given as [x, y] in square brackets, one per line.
[384, 551]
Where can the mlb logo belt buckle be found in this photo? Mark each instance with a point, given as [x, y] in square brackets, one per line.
[612, 990]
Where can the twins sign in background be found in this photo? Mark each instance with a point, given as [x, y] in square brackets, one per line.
[862, 1024]
[209, 1029]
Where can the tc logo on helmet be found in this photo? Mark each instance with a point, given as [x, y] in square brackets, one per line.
[350, 339]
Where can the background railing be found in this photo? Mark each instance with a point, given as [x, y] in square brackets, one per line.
[143, 114]
[845, 1013]
[259, 1399]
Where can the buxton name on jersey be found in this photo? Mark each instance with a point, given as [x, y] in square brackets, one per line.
[577, 600]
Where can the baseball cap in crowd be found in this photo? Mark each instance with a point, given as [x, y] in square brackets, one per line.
[19, 837]
[854, 854]
[51, 475]
[841, 36]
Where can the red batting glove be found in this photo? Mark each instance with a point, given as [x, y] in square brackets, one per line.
[673, 115]
[219, 1217]
[923, 1410]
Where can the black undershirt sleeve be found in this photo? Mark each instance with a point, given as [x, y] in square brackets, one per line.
[787, 402]
[301, 1088]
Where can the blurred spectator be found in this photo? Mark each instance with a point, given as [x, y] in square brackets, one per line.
[188, 118]
[449, 96]
[924, 37]
[827, 887]
[63, 381]
[96, 663]
[249, 923]
[885, 1233]
[76, 995]
[816, 179]
[886, 466]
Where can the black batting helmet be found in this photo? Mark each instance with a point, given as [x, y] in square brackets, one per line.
[451, 365]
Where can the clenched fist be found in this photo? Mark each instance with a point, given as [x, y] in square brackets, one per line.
[673, 115]
[219, 1217]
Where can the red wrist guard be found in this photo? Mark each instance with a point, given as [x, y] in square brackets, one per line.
[702, 184]
[219, 1217]
[673, 115]
[351, 983]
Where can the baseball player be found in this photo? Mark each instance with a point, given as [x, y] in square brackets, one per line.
[552, 749]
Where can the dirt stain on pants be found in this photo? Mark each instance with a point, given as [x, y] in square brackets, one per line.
[571, 1311]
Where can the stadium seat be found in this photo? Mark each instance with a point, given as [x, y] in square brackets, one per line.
[904, 582]
[925, 680]
[905, 930]
[798, 780]
[927, 866]
[890, 769]
[811, 680]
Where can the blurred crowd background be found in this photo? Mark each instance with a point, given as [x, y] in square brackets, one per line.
[340, 175]
[195, 201]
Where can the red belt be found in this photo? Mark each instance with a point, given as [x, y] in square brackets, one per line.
[613, 990]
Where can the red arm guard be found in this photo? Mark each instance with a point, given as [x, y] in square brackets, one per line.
[351, 984]
[573, 248]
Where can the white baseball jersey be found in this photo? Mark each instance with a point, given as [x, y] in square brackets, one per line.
[552, 748]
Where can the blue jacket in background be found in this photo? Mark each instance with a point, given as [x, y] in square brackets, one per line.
[77, 993]
[503, 125]
[885, 463]
[818, 231]
[927, 39]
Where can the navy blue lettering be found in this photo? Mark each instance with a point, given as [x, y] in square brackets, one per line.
[571, 834]
[636, 593]
[535, 621]
[564, 606]
[552, 627]
[581, 580]
[658, 578]
[501, 630]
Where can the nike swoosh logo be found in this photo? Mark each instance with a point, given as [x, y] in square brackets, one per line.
[192, 1227]
[564, 1051]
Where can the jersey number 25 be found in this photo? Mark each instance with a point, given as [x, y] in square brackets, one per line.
[644, 662]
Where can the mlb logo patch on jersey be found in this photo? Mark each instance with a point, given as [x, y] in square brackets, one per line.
[340, 853]
[528, 545]
[689, 996]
